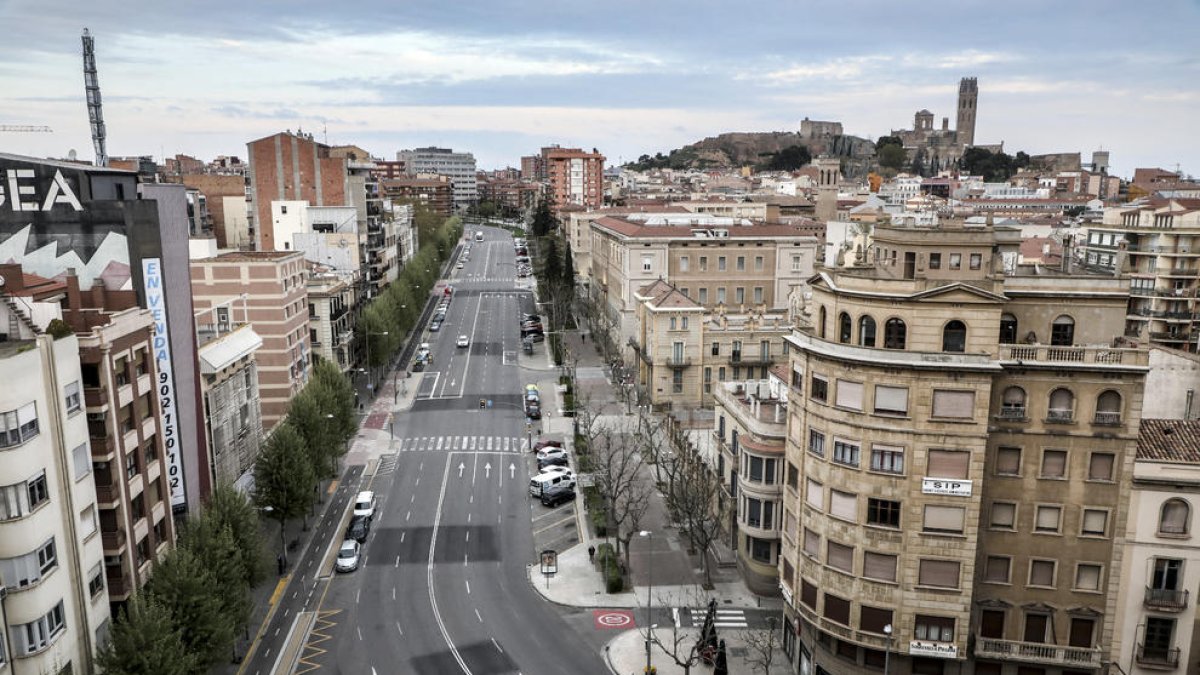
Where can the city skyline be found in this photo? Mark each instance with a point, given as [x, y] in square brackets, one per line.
[502, 80]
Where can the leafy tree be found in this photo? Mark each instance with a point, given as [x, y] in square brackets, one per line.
[568, 274]
[215, 547]
[551, 264]
[788, 159]
[146, 641]
[283, 477]
[543, 220]
[182, 582]
[308, 419]
[891, 157]
[230, 509]
[888, 140]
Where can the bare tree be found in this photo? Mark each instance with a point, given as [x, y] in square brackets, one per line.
[693, 496]
[683, 646]
[763, 643]
[616, 465]
[652, 437]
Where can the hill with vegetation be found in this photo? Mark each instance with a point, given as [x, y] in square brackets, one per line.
[763, 150]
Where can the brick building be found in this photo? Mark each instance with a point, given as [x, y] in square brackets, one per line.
[574, 176]
[291, 167]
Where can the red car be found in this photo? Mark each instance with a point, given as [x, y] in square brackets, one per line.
[546, 443]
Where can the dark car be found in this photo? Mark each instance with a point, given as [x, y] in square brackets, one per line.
[546, 443]
[558, 495]
[360, 527]
[559, 460]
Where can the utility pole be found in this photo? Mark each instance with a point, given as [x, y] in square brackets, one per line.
[91, 87]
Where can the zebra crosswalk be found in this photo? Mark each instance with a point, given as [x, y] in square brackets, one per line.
[725, 618]
[513, 444]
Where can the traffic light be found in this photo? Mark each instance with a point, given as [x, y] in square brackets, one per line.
[482, 403]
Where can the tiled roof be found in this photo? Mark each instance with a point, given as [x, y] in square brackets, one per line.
[654, 289]
[674, 298]
[1169, 440]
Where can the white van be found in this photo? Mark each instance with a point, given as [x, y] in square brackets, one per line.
[544, 481]
[364, 504]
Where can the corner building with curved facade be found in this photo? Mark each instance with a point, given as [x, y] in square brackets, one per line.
[961, 432]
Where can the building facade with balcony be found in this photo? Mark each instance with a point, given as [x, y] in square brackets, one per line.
[1158, 245]
[574, 176]
[273, 285]
[961, 432]
[331, 303]
[458, 167]
[1156, 629]
[750, 425]
[52, 562]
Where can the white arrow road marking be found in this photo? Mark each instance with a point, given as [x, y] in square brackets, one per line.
[487, 470]
[461, 467]
[512, 470]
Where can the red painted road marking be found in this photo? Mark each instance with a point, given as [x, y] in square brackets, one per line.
[612, 618]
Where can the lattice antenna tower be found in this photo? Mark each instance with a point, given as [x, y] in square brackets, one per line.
[91, 86]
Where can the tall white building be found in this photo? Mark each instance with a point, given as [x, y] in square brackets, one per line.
[459, 167]
[56, 610]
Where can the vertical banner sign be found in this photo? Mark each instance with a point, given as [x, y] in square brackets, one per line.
[156, 302]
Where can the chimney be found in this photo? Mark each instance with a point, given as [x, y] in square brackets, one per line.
[945, 124]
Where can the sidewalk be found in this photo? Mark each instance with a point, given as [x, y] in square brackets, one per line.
[626, 654]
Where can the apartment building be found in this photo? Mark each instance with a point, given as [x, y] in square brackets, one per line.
[685, 349]
[574, 177]
[229, 388]
[750, 427]
[1156, 630]
[740, 265]
[459, 167]
[290, 167]
[52, 560]
[273, 285]
[436, 192]
[331, 300]
[960, 439]
[1158, 244]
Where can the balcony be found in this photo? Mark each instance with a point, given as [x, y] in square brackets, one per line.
[679, 361]
[1178, 272]
[1168, 337]
[1107, 419]
[1060, 416]
[745, 358]
[114, 542]
[1166, 599]
[1157, 658]
[119, 587]
[1054, 355]
[1012, 413]
[1037, 652]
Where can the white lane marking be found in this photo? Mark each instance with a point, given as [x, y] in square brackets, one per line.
[408, 515]
[394, 590]
[478, 615]
[497, 646]
[402, 537]
[468, 517]
[359, 630]
[398, 629]
[437, 613]
[396, 565]
[468, 535]
[357, 595]
[468, 583]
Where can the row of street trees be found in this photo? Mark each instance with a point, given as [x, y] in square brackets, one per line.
[189, 614]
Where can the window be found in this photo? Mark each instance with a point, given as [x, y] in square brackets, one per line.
[760, 549]
[721, 374]
[1108, 408]
[1008, 329]
[739, 294]
[976, 261]
[1062, 331]
[991, 625]
[1012, 404]
[87, 521]
[755, 466]
[18, 426]
[997, 569]
[845, 452]
[845, 325]
[703, 263]
[741, 263]
[1008, 461]
[131, 465]
[894, 334]
[677, 381]
[883, 512]
[1035, 627]
[866, 331]
[29, 569]
[953, 404]
[96, 579]
[814, 496]
[797, 263]
[1004, 516]
[1087, 577]
[35, 636]
[1042, 573]
[935, 261]
[891, 400]
[721, 263]
[1100, 466]
[647, 263]
[1054, 464]
[1062, 406]
[758, 294]
[954, 336]
[934, 628]
[82, 460]
[673, 323]
[683, 263]
[837, 609]
[816, 442]
[955, 261]
[948, 464]
[1157, 640]
[1081, 632]
[716, 349]
[840, 556]
[71, 393]
[812, 544]
[938, 573]
[1049, 519]
[880, 566]
[819, 390]
[944, 519]
[850, 394]
[702, 298]
[793, 476]
[808, 594]
[843, 505]
[36, 488]
[1174, 517]
[708, 379]
[720, 295]
[1094, 523]
[887, 459]
[874, 619]
[758, 263]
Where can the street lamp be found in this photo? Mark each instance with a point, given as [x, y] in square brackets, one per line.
[887, 630]
[370, 382]
[649, 598]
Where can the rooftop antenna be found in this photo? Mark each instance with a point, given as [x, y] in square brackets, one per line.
[91, 86]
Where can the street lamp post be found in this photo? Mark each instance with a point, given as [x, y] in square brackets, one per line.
[887, 630]
[649, 599]
[370, 380]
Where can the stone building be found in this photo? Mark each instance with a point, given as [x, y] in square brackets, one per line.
[960, 440]
[331, 304]
[229, 387]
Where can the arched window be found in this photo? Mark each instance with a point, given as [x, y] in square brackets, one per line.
[1012, 404]
[954, 337]
[1174, 518]
[866, 331]
[1108, 408]
[1008, 329]
[844, 327]
[1062, 331]
[821, 322]
[894, 334]
[1062, 406]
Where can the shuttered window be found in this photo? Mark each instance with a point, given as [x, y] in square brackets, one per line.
[948, 464]
[953, 404]
[996, 569]
[1095, 522]
[843, 504]
[944, 519]
[1100, 466]
[850, 394]
[879, 566]
[812, 543]
[808, 594]
[1054, 464]
[891, 399]
[840, 556]
[1087, 577]
[837, 609]
[938, 573]
[1008, 461]
[874, 619]
[1048, 518]
[1004, 515]
[815, 496]
[1041, 573]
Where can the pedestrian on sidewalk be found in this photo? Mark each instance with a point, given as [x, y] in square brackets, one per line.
[591, 554]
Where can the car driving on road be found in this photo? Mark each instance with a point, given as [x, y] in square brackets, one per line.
[463, 341]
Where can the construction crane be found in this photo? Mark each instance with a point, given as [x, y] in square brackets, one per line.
[91, 86]
[19, 128]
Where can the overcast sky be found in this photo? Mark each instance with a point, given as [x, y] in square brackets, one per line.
[501, 78]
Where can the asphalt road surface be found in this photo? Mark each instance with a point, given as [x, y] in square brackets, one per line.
[444, 588]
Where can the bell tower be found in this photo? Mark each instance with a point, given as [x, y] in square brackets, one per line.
[968, 97]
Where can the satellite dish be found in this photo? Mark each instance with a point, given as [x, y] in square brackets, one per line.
[72, 155]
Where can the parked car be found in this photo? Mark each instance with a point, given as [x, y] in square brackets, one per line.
[546, 443]
[561, 470]
[364, 504]
[435, 326]
[548, 453]
[360, 527]
[463, 341]
[348, 556]
[543, 464]
[527, 345]
[558, 495]
[533, 410]
[459, 266]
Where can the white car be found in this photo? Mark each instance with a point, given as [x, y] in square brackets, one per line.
[348, 556]
[551, 453]
[557, 470]
[460, 266]
[463, 341]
